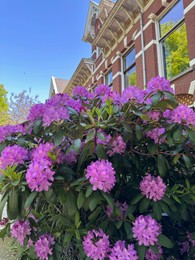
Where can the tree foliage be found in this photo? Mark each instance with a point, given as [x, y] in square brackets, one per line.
[19, 106]
[3, 106]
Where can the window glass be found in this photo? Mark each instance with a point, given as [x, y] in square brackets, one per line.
[175, 48]
[130, 77]
[130, 69]
[109, 78]
[171, 18]
[130, 59]
[173, 39]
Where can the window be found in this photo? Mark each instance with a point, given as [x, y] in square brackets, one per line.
[173, 40]
[108, 79]
[130, 69]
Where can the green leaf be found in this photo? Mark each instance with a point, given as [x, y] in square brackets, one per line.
[30, 199]
[162, 166]
[165, 241]
[90, 136]
[93, 201]
[87, 151]
[156, 98]
[100, 151]
[137, 198]
[37, 126]
[157, 211]
[77, 145]
[128, 229]
[141, 252]
[2, 205]
[77, 219]
[177, 134]
[119, 224]
[191, 134]
[138, 132]
[187, 161]
[71, 201]
[143, 206]
[58, 137]
[95, 214]
[80, 199]
[152, 148]
[101, 136]
[89, 191]
[109, 199]
[154, 249]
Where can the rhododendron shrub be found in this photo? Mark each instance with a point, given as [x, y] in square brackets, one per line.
[101, 176]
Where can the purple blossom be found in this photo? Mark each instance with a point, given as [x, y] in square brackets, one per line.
[39, 176]
[36, 112]
[122, 207]
[42, 152]
[120, 252]
[150, 255]
[103, 90]
[118, 146]
[101, 175]
[43, 246]
[13, 155]
[96, 244]
[11, 129]
[154, 115]
[181, 114]
[146, 230]
[81, 92]
[55, 114]
[71, 157]
[184, 247]
[133, 94]
[20, 230]
[155, 135]
[107, 138]
[153, 187]
[159, 83]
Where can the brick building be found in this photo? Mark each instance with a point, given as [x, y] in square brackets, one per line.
[135, 40]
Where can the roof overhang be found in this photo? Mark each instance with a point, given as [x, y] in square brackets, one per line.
[121, 16]
[89, 33]
[81, 75]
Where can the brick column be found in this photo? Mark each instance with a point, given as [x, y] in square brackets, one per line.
[117, 72]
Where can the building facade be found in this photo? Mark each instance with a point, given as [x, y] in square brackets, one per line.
[135, 40]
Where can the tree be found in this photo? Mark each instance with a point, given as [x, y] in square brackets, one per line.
[4, 117]
[19, 106]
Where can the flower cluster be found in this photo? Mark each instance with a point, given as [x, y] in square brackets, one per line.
[150, 255]
[154, 115]
[43, 246]
[119, 251]
[11, 129]
[20, 230]
[133, 94]
[181, 114]
[55, 109]
[118, 146]
[39, 175]
[122, 207]
[153, 187]
[146, 230]
[155, 135]
[13, 155]
[81, 92]
[159, 83]
[101, 175]
[96, 244]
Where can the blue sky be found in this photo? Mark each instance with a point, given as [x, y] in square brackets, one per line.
[40, 39]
